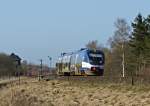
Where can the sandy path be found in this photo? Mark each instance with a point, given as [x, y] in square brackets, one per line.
[63, 93]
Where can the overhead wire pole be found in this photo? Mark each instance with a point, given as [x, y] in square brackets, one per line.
[50, 62]
[50, 67]
[40, 72]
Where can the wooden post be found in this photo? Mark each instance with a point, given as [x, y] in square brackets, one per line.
[132, 78]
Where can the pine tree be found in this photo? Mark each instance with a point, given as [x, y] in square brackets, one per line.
[138, 41]
[148, 36]
[147, 41]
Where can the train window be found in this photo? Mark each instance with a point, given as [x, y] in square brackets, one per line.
[73, 59]
[85, 58]
[95, 58]
[78, 58]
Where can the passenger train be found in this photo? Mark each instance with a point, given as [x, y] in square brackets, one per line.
[82, 62]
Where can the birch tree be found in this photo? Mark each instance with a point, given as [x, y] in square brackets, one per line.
[119, 40]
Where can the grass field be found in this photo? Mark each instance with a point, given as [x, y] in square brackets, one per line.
[31, 92]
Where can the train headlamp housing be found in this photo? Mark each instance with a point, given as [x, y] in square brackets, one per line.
[93, 68]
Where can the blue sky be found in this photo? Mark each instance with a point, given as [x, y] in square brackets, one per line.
[35, 29]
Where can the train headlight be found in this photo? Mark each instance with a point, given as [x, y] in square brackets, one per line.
[93, 69]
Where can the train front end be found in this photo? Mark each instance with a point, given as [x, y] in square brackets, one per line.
[95, 63]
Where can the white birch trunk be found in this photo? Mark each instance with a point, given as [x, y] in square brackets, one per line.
[123, 63]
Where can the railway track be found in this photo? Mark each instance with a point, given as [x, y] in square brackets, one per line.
[80, 78]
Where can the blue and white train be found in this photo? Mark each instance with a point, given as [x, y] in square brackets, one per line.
[82, 62]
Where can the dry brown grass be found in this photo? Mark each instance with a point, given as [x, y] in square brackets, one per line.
[65, 93]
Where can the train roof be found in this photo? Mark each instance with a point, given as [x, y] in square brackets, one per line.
[80, 51]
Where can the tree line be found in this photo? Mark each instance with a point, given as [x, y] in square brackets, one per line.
[10, 65]
[129, 48]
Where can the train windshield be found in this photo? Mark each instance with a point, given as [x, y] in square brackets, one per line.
[95, 58]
